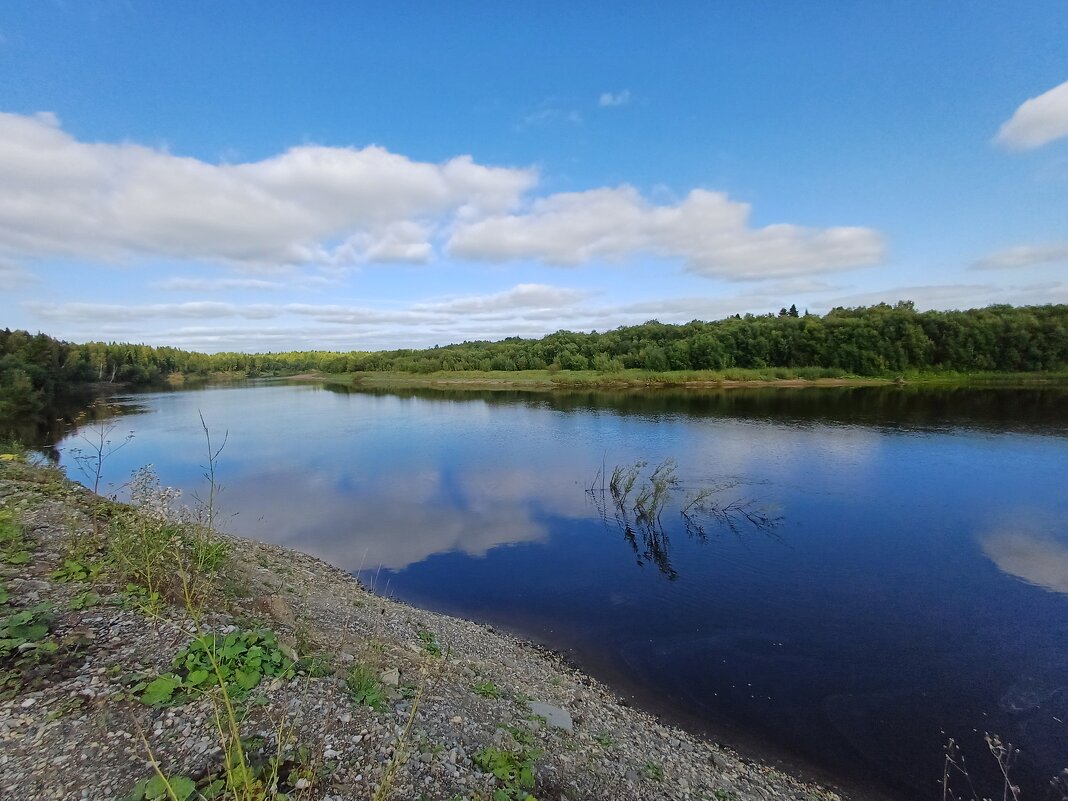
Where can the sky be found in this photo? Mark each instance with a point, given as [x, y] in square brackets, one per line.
[265, 176]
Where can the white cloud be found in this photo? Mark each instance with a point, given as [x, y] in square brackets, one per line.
[1024, 256]
[217, 284]
[523, 296]
[707, 230]
[959, 296]
[333, 207]
[1037, 121]
[63, 197]
[610, 99]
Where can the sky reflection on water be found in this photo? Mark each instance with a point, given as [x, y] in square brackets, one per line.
[910, 589]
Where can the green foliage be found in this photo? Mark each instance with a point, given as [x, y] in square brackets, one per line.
[365, 688]
[513, 769]
[14, 549]
[84, 600]
[653, 771]
[78, 570]
[158, 788]
[36, 370]
[430, 643]
[487, 689]
[240, 660]
[605, 740]
[26, 630]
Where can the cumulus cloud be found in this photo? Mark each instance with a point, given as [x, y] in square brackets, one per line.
[334, 206]
[614, 99]
[63, 197]
[1037, 121]
[1024, 256]
[523, 296]
[707, 230]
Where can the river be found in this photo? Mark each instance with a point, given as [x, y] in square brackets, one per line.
[843, 577]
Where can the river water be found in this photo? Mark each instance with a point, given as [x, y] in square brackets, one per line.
[840, 577]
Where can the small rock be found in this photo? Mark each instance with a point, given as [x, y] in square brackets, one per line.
[390, 677]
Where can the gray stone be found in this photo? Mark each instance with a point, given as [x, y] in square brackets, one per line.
[390, 677]
[555, 716]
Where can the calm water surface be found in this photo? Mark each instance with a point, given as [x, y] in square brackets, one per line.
[876, 569]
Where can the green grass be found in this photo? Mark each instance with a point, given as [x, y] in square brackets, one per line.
[564, 379]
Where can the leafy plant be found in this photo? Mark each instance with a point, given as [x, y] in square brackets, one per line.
[365, 688]
[430, 643]
[605, 740]
[653, 771]
[486, 689]
[240, 660]
[78, 570]
[84, 600]
[27, 630]
[162, 788]
[513, 769]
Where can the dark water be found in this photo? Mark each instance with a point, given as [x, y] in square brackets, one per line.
[875, 570]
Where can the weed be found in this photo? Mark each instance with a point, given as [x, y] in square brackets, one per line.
[430, 643]
[236, 662]
[365, 688]
[84, 600]
[486, 689]
[514, 770]
[724, 795]
[605, 740]
[14, 549]
[26, 631]
[653, 771]
[162, 788]
[99, 445]
[76, 570]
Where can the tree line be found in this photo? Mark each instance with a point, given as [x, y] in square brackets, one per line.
[867, 341]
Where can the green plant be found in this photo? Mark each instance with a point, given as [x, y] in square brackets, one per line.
[430, 643]
[26, 631]
[487, 689]
[365, 688]
[236, 663]
[726, 795]
[513, 769]
[75, 570]
[162, 788]
[605, 740]
[14, 549]
[84, 600]
[653, 771]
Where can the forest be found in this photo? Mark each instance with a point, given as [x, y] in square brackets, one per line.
[880, 340]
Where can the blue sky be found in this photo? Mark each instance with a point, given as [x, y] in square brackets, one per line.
[265, 176]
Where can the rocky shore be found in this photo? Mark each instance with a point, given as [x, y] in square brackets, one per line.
[365, 697]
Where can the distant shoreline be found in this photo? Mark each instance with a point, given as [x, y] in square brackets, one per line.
[545, 380]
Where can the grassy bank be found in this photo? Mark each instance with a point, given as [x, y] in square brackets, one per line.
[647, 379]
